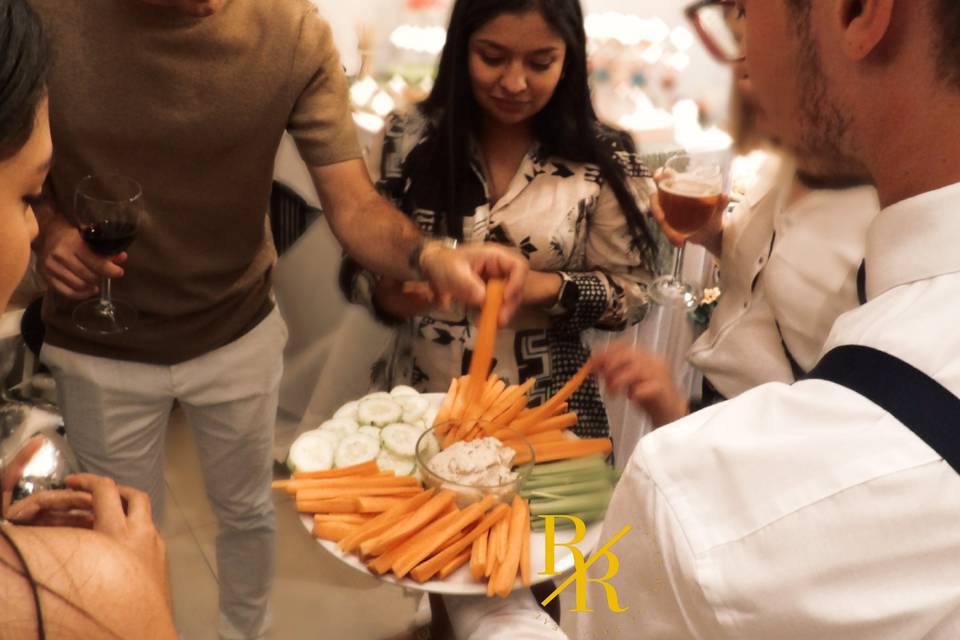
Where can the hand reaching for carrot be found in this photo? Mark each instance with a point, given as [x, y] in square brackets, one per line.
[644, 378]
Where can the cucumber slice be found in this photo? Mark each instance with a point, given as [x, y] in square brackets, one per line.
[401, 466]
[312, 451]
[376, 395]
[430, 416]
[348, 410]
[379, 412]
[413, 407]
[340, 427]
[401, 439]
[373, 432]
[356, 448]
[403, 390]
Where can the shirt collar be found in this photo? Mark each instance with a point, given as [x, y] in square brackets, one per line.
[913, 240]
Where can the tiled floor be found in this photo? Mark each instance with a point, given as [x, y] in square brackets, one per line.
[314, 595]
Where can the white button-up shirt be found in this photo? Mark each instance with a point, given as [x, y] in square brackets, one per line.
[803, 280]
[806, 511]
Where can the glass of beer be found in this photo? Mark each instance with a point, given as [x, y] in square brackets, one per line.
[690, 190]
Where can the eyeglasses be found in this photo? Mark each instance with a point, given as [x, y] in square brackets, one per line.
[720, 26]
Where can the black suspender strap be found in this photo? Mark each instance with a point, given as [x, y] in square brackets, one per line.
[862, 282]
[921, 403]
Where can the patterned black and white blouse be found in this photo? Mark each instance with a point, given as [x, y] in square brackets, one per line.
[564, 219]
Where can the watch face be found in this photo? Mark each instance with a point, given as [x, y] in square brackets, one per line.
[569, 294]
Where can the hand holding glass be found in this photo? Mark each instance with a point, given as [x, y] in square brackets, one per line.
[690, 191]
[108, 209]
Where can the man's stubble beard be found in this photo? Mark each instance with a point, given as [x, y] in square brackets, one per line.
[824, 126]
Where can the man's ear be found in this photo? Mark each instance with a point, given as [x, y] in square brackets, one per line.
[865, 23]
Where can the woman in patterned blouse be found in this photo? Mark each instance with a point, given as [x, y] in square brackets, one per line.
[507, 148]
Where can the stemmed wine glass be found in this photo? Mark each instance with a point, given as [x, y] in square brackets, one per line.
[108, 209]
[690, 191]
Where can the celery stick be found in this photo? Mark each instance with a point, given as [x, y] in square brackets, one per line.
[571, 489]
[593, 515]
[571, 504]
[541, 495]
[567, 466]
[568, 479]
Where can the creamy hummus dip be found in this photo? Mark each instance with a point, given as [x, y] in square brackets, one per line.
[484, 462]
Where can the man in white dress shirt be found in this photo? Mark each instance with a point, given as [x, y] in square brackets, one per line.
[805, 510]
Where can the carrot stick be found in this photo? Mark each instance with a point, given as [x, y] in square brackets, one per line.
[492, 392]
[385, 520]
[409, 525]
[510, 414]
[460, 402]
[525, 547]
[359, 481]
[333, 505]
[427, 569]
[429, 544]
[492, 544]
[478, 556]
[335, 531]
[556, 435]
[501, 400]
[506, 572]
[452, 541]
[503, 532]
[443, 413]
[550, 406]
[376, 504]
[362, 469]
[508, 399]
[486, 338]
[352, 492]
[563, 421]
[348, 518]
[454, 564]
[550, 451]
[382, 564]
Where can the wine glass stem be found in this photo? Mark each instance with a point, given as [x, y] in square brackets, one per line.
[678, 261]
[106, 303]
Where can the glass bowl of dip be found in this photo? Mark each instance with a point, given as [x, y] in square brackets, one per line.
[473, 469]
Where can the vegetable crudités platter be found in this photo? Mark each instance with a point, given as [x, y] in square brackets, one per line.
[445, 492]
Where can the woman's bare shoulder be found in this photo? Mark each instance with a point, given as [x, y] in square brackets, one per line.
[89, 586]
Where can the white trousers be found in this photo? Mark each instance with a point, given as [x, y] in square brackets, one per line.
[116, 415]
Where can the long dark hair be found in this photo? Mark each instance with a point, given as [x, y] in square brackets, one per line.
[24, 60]
[566, 128]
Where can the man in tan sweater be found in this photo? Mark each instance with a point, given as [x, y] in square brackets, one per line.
[191, 98]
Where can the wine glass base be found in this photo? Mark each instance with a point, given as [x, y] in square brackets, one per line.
[670, 292]
[93, 317]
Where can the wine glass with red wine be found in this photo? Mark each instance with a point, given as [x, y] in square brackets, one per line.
[108, 209]
[690, 191]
